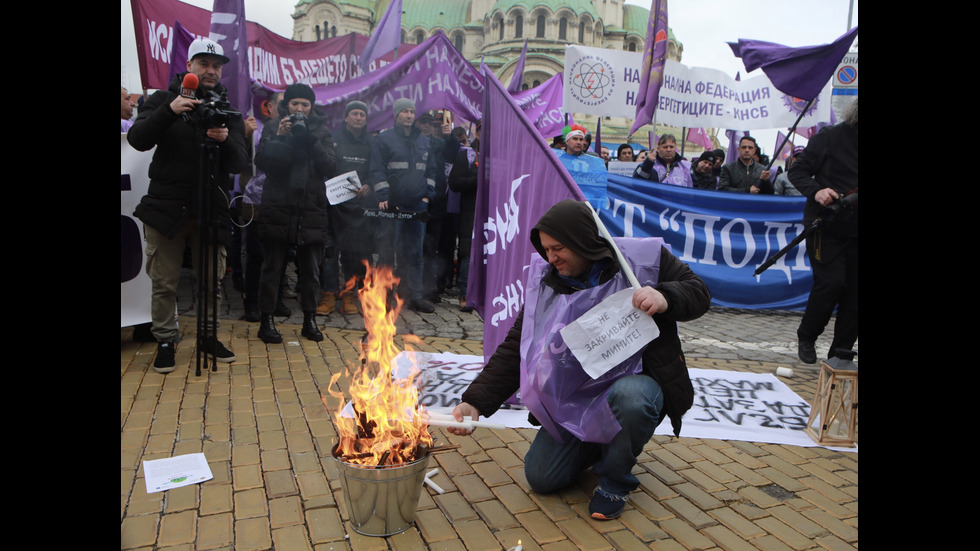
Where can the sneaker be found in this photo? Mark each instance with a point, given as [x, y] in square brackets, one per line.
[807, 352]
[349, 305]
[605, 506]
[221, 353]
[164, 363]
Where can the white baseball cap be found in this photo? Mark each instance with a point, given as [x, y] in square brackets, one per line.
[206, 46]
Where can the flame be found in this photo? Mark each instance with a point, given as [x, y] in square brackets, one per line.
[386, 428]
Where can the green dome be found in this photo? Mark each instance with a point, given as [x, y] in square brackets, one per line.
[429, 15]
[578, 7]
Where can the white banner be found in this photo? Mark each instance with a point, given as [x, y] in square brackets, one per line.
[135, 298]
[606, 83]
[728, 405]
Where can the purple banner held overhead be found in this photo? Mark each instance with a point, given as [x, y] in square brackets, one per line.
[228, 30]
[519, 180]
[543, 105]
[434, 75]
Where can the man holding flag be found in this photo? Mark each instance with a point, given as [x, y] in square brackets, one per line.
[602, 423]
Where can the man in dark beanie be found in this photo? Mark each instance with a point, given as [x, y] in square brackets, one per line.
[403, 174]
[604, 422]
[297, 155]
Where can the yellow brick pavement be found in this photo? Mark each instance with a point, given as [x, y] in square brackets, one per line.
[267, 437]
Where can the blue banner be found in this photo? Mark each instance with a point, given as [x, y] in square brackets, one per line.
[723, 236]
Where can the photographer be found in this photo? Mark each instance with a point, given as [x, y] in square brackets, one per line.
[825, 173]
[178, 122]
[297, 155]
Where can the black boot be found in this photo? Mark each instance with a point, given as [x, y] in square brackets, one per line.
[267, 329]
[310, 330]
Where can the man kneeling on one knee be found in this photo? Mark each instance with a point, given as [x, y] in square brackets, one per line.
[601, 423]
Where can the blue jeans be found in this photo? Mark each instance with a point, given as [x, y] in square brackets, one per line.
[637, 402]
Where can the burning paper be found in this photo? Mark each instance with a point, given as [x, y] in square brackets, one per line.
[379, 426]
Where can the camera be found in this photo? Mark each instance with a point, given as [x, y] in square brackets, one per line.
[298, 120]
[213, 112]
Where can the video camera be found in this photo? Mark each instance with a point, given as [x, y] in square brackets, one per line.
[213, 112]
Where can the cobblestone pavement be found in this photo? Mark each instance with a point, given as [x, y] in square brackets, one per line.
[267, 437]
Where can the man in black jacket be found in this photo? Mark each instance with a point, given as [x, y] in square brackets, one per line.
[169, 120]
[826, 172]
[579, 259]
[744, 174]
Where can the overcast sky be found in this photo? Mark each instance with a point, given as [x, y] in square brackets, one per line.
[704, 27]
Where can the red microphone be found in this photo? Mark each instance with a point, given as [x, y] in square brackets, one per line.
[188, 87]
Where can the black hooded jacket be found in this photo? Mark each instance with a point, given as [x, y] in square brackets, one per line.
[175, 171]
[294, 201]
[571, 223]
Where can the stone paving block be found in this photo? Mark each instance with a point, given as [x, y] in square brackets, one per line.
[178, 528]
[180, 499]
[291, 538]
[452, 463]
[455, 507]
[583, 535]
[313, 485]
[216, 498]
[246, 477]
[285, 511]
[325, 525]
[476, 536]
[514, 498]
[690, 512]
[505, 457]
[836, 526]
[492, 474]
[821, 501]
[737, 523]
[640, 526]
[785, 533]
[139, 531]
[697, 496]
[409, 540]
[686, 535]
[541, 528]
[215, 531]
[280, 483]
[251, 503]
[495, 515]
[728, 540]
[433, 525]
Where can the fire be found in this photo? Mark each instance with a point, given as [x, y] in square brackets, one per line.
[383, 426]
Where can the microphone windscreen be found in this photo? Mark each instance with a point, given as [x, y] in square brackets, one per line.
[190, 81]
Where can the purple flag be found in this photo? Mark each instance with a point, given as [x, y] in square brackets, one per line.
[387, 35]
[518, 78]
[654, 57]
[734, 136]
[598, 139]
[178, 56]
[799, 72]
[543, 105]
[782, 154]
[519, 180]
[698, 136]
[228, 30]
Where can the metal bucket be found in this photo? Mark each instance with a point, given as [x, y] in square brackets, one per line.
[381, 501]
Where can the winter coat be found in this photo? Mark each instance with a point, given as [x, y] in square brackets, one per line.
[403, 169]
[736, 176]
[352, 229]
[294, 201]
[663, 359]
[173, 195]
[656, 169]
[831, 158]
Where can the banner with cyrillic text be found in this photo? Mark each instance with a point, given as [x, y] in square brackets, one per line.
[606, 82]
[723, 236]
[136, 288]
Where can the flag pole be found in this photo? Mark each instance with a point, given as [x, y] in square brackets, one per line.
[791, 131]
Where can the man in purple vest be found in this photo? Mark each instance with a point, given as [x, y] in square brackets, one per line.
[578, 265]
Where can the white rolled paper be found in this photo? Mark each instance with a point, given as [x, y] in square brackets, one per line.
[784, 372]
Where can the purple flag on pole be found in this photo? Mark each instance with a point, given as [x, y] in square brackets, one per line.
[543, 105]
[178, 56]
[783, 154]
[518, 78]
[799, 72]
[519, 180]
[698, 136]
[734, 136]
[654, 57]
[385, 37]
[598, 139]
[228, 30]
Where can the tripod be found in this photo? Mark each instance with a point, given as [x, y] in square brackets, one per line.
[207, 257]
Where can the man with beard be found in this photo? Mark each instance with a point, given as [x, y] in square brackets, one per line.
[601, 423]
[170, 210]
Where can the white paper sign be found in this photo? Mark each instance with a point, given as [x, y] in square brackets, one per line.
[609, 333]
[343, 188]
[174, 472]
